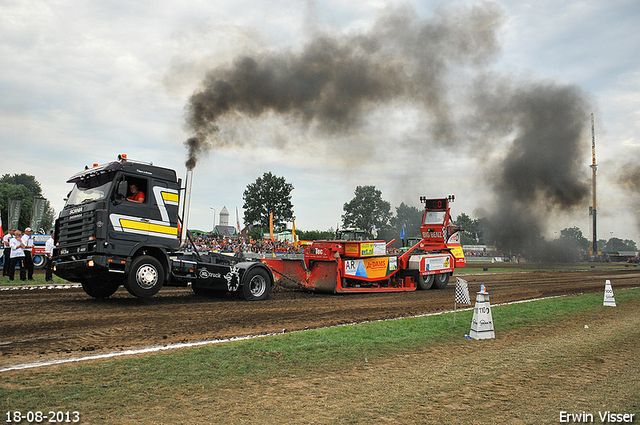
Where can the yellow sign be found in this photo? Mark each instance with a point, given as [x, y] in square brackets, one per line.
[366, 249]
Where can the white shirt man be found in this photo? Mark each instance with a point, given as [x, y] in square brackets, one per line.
[27, 240]
[17, 256]
[48, 250]
[28, 259]
[7, 252]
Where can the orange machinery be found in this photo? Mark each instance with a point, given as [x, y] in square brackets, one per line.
[351, 265]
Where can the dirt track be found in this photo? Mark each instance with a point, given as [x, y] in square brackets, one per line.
[38, 324]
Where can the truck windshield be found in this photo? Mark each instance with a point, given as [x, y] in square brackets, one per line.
[92, 189]
[434, 217]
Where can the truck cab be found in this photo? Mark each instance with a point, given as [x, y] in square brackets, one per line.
[100, 230]
[121, 226]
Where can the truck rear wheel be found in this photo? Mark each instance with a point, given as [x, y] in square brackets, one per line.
[441, 280]
[145, 277]
[99, 288]
[257, 285]
[425, 281]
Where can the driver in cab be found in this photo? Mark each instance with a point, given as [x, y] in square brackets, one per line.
[136, 195]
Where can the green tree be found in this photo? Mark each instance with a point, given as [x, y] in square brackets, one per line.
[408, 216]
[315, 235]
[367, 209]
[268, 194]
[617, 244]
[469, 227]
[24, 187]
[575, 234]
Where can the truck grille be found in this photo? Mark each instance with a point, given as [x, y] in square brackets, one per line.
[76, 234]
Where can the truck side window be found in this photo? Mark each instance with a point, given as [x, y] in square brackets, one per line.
[137, 191]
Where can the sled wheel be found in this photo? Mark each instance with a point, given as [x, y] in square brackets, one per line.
[257, 285]
[145, 277]
[425, 282]
[441, 280]
[99, 288]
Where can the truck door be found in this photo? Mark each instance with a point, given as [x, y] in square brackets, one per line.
[163, 227]
[131, 209]
[151, 218]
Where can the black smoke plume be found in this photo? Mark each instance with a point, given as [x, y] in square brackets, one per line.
[629, 179]
[334, 80]
[439, 67]
[541, 172]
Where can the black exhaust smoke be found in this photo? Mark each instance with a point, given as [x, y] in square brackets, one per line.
[334, 81]
[438, 67]
[541, 172]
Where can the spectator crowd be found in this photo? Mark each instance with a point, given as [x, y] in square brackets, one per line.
[214, 243]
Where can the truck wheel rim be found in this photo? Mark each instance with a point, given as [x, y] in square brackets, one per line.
[257, 286]
[147, 276]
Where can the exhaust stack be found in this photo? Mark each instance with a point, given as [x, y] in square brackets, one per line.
[185, 208]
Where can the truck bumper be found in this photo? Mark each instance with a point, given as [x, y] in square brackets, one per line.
[89, 267]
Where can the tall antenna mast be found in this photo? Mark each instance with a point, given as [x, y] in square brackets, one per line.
[593, 183]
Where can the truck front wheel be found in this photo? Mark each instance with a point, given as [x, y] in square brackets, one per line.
[257, 285]
[146, 277]
[99, 288]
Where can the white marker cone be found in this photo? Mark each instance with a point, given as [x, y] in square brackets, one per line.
[482, 322]
[609, 300]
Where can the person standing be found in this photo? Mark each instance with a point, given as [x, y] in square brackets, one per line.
[48, 250]
[27, 240]
[17, 255]
[7, 251]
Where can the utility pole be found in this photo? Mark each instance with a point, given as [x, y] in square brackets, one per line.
[593, 183]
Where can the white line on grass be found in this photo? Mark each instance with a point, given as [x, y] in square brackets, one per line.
[243, 338]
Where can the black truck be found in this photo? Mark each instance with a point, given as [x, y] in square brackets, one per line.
[121, 226]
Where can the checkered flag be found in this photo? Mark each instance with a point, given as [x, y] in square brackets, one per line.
[462, 292]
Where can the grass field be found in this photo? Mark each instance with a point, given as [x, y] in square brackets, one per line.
[333, 375]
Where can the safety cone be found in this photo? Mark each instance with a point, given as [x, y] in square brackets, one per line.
[482, 322]
[609, 300]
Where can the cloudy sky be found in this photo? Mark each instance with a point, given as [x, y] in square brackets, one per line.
[81, 82]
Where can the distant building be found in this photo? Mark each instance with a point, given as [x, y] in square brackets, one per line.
[224, 217]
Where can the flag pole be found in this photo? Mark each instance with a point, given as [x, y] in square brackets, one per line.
[455, 307]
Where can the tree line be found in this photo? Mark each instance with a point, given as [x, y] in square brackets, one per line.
[25, 188]
[271, 194]
[367, 210]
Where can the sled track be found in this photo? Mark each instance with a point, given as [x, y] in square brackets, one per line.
[45, 323]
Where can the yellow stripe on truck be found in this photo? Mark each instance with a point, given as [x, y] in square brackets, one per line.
[148, 227]
[171, 197]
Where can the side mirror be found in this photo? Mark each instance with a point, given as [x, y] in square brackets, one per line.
[122, 189]
[121, 192]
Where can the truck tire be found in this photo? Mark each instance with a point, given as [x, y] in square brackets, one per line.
[441, 280]
[99, 288]
[425, 281]
[146, 277]
[257, 285]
